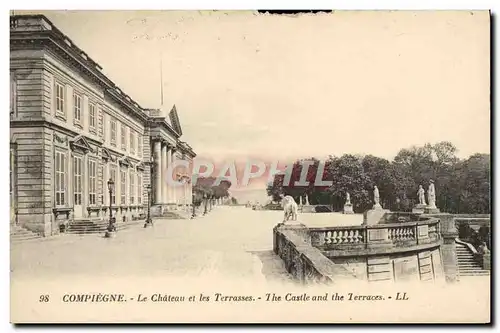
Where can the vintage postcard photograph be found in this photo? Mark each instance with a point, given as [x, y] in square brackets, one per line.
[209, 166]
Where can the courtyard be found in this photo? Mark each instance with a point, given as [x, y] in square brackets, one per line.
[231, 241]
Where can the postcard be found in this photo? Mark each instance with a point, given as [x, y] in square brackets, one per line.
[250, 167]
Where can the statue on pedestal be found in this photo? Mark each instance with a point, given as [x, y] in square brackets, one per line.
[348, 205]
[431, 195]
[376, 197]
[290, 208]
[421, 195]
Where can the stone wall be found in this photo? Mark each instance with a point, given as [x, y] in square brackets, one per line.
[33, 188]
[304, 262]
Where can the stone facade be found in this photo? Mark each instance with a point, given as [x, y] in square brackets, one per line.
[73, 129]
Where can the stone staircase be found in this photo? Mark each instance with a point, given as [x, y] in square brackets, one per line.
[179, 213]
[176, 215]
[467, 265]
[91, 226]
[19, 234]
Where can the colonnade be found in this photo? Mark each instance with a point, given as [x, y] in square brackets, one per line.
[165, 192]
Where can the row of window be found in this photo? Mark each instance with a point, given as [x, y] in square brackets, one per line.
[134, 191]
[77, 106]
[134, 137]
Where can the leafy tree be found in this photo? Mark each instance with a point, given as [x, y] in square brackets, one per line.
[462, 186]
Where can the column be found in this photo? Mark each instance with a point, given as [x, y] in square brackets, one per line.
[164, 168]
[190, 192]
[168, 198]
[185, 192]
[157, 159]
[174, 189]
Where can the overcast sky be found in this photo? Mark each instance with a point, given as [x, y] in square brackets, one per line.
[278, 87]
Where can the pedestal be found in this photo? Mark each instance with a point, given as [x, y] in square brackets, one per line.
[308, 209]
[449, 255]
[348, 209]
[373, 216]
[419, 209]
[431, 210]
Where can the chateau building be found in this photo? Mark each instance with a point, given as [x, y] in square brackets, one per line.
[72, 129]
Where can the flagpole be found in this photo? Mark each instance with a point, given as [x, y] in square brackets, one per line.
[161, 79]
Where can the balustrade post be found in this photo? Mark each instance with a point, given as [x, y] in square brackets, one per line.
[448, 248]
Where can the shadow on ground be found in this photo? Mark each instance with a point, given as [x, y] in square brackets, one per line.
[273, 267]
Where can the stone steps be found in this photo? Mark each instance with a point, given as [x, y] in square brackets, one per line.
[467, 265]
[95, 227]
[176, 215]
[474, 272]
[20, 234]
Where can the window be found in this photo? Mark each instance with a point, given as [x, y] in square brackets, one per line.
[123, 137]
[103, 185]
[60, 178]
[132, 142]
[123, 187]
[77, 107]
[132, 188]
[139, 145]
[59, 89]
[104, 125]
[12, 178]
[77, 180]
[92, 182]
[13, 94]
[112, 175]
[139, 189]
[113, 132]
[92, 115]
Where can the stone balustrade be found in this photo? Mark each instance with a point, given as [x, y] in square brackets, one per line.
[303, 261]
[385, 251]
[376, 238]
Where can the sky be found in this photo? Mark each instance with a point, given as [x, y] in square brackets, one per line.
[284, 87]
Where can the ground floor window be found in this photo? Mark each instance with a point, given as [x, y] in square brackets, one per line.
[60, 178]
[132, 188]
[112, 176]
[103, 185]
[123, 187]
[139, 188]
[12, 179]
[92, 182]
[77, 177]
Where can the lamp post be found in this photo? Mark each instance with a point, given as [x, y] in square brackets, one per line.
[194, 207]
[149, 221]
[205, 199]
[111, 226]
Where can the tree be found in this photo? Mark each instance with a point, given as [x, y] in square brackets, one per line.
[348, 176]
[462, 186]
[475, 195]
[379, 171]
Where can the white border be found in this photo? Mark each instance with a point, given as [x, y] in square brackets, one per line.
[198, 5]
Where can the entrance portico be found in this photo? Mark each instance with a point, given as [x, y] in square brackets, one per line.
[167, 149]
